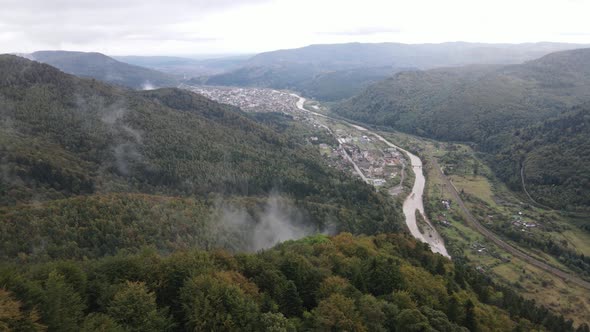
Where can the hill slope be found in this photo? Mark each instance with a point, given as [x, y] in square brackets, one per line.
[474, 102]
[554, 156]
[63, 137]
[104, 68]
[355, 55]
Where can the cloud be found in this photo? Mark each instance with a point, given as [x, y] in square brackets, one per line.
[575, 34]
[189, 27]
[62, 23]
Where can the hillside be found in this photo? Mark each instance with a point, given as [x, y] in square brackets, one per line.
[309, 69]
[483, 104]
[341, 84]
[555, 159]
[106, 69]
[320, 283]
[471, 103]
[63, 137]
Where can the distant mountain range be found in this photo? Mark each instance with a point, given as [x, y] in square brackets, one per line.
[104, 68]
[469, 103]
[325, 72]
[493, 105]
[335, 71]
[186, 67]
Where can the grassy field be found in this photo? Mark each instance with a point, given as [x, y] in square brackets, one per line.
[568, 299]
[478, 186]
[579, 239]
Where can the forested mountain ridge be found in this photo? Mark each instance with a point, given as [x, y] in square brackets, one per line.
[471, 103]
[358, 55]
[104, 68]
[63, 137]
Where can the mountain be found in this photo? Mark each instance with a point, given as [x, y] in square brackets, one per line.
[69, 144]
[423, 56]
[473, 102]
[305, 69]
[186, 67]
[486, 104]
[104, 68]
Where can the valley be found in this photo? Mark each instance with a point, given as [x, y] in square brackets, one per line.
[354, 150]
[174, 198]
[285, 166]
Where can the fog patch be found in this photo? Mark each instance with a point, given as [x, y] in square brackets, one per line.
[276, 221]
[126, 150]
[147, 86]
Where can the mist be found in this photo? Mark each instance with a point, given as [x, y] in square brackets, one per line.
[126, 151]
[147, 86]
[277, 221]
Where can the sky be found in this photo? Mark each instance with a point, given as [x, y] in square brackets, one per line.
[193, 27]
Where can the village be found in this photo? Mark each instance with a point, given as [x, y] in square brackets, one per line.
[249, 99]
[350, 151]
[381, 166]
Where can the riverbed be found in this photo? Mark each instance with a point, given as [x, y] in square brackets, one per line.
[414, 202]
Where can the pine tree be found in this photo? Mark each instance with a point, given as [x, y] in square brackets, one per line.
[291, 305]
[62, 307]
[470, 321]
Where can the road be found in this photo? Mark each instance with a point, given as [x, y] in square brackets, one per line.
[414, 201]
[501, 243]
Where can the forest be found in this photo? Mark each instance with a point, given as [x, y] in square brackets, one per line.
[554, 156]
[365, 283]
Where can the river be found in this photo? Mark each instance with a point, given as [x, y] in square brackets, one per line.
[414, 201]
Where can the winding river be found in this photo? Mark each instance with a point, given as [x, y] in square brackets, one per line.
[414, 201]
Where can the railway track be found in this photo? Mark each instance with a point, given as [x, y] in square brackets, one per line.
[503, 244]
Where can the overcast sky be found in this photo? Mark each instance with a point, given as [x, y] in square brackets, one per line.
[190, 27]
